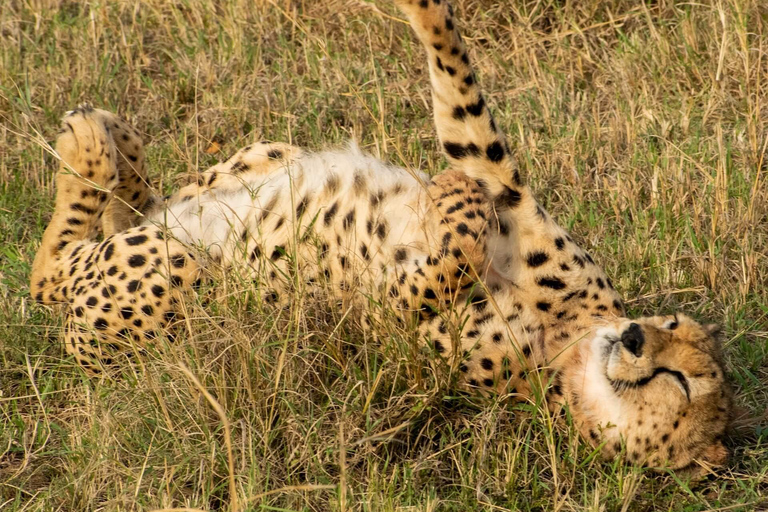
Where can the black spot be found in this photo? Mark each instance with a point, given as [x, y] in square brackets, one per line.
[459, 151]
[330, 213]
[537, 259]
[543, 306]
[488, 382]
[495, 152]
[109, 251]
[551, 282]
[137, 260]
[439, 347]
[600, 283]
[126, 312]
[559, 243]
[91, 302]
[82, 208]
[134, 285]
[349, 220]
[381, 230]
[239, 167]
[277, 253]
[274, 154]
[486, 363]
[455, 150]
[459, 113]
[147, 310]
[476, 108]
[101, 324]
[158, 291]
[483, 319]
[527, 351]
[131, 240]
[454, 208]
[178, 260]
[510, 198]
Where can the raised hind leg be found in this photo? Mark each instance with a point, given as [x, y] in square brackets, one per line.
[525, 245]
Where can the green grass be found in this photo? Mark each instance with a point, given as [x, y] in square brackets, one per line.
[643, 127]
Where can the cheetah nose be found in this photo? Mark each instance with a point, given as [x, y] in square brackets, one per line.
[633, 339]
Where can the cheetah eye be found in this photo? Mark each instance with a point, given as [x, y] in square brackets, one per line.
[670, 324]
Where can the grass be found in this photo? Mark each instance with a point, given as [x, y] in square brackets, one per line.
[643, 127]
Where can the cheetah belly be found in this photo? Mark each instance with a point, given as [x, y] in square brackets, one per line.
[343, 198]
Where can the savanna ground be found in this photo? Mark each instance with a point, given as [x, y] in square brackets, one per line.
[643, 127]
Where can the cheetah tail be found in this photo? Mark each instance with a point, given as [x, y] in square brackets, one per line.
[86, 177]
[465, 125]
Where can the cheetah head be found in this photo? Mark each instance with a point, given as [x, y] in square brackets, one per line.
[654, 389]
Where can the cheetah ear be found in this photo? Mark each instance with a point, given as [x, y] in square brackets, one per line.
[716, 454]
[713, 330]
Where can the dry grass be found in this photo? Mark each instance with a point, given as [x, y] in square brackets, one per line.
[642, 125]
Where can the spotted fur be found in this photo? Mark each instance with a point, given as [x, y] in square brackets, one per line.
[527, 308]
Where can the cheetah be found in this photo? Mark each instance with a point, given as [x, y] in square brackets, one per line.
[493, 283]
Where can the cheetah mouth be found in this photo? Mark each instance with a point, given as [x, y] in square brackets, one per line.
[623, 385]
